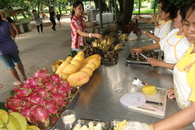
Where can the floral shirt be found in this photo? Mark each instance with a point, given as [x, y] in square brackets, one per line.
[77, 40]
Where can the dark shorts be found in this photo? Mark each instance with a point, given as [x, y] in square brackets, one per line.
[10, 59]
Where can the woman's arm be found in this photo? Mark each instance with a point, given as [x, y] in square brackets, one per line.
[178, 120]
[85, 34]
[151, 35]
[145, 20]
[155, 62]
[15, 28]
[12, 32]
[148, 47]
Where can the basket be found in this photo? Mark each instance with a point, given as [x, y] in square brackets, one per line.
[92, 23]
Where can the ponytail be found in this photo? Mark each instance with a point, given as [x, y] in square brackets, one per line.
[75, 4]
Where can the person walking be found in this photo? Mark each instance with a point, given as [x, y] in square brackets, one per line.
[58, 16]
[38, 21]
[52, 18]
[9, 51]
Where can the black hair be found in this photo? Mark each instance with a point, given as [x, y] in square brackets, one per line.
[189, 9]
[75, 4]
[33, 11]
[170, 8]
[183, 11]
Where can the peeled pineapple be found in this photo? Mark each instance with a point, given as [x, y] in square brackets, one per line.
[149, 89]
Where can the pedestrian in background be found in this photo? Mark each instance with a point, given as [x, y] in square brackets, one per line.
[38, 21]
[52, 18]
[58, 16]
[9, 51]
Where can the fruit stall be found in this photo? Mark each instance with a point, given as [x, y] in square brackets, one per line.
[94, 83]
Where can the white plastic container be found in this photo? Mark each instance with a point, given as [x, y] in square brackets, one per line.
[110, 17]
[98, 18]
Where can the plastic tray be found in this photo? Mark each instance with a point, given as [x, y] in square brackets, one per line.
[109, 63]
[83, 122]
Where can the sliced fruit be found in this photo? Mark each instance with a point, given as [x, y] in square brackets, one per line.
[149, 89]
[13, 124]
[21, 119]
[33, 127]
[4, 116]
[2, 124]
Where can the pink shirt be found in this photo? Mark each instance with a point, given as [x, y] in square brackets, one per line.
[76, 24]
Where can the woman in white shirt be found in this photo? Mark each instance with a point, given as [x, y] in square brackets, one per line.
[174, 45]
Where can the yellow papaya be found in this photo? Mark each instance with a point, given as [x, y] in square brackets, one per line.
[76, 62]
[69, 58]
[78, 79]
[91, 65]
[63, 75]
[79, 57]
[92, 56]
[88, 70]
[96, 61]
[81, 53]
[69, 69]
[62, 66]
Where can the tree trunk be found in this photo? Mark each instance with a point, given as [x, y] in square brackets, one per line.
[127, 13]
[121, 3]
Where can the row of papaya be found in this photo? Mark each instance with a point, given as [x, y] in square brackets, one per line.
[77, 70]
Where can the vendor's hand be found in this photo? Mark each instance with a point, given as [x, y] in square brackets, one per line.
[136, 50]
[149, 34]
[154, 62]
[170, 93]
[135, 125]
[97, 35]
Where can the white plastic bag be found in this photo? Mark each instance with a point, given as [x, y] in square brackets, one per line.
[132, 36]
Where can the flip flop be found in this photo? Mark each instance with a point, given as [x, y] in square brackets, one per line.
[17, 83]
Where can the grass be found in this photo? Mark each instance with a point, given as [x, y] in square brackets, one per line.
[144, 11]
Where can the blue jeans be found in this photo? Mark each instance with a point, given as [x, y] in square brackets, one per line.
[76, 49]
[10, 59]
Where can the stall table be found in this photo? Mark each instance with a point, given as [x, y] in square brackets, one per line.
[98, 27]
[99, 98]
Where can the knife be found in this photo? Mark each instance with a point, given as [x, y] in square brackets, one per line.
[155, 103]
[144, 56]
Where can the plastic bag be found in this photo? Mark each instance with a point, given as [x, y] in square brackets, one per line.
[132, 36]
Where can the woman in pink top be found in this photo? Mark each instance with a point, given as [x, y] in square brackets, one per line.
[78, 27]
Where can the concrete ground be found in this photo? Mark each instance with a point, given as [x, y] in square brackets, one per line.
[38, 51]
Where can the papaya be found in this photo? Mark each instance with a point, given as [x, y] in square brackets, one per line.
[91, 65]
[92, 56]
[63, 75]
[69, 69]
[62, 66]
[78, 79]
[76, 62]
[69, 58]
[88, 70]
[81, 53]
[96, 61]
[79, 57]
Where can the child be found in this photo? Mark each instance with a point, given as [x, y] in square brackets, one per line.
[78, 28]
[38, 21]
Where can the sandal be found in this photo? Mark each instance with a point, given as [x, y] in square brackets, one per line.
[17, 83]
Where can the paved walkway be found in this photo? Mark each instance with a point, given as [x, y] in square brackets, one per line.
[38, 51]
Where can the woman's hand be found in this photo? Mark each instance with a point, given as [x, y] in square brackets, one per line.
[149, 34]
[97, 35]
[170, 93]
[137, 50]
[154, 62]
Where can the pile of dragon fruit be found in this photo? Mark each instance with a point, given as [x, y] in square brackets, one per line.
[40, 97]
